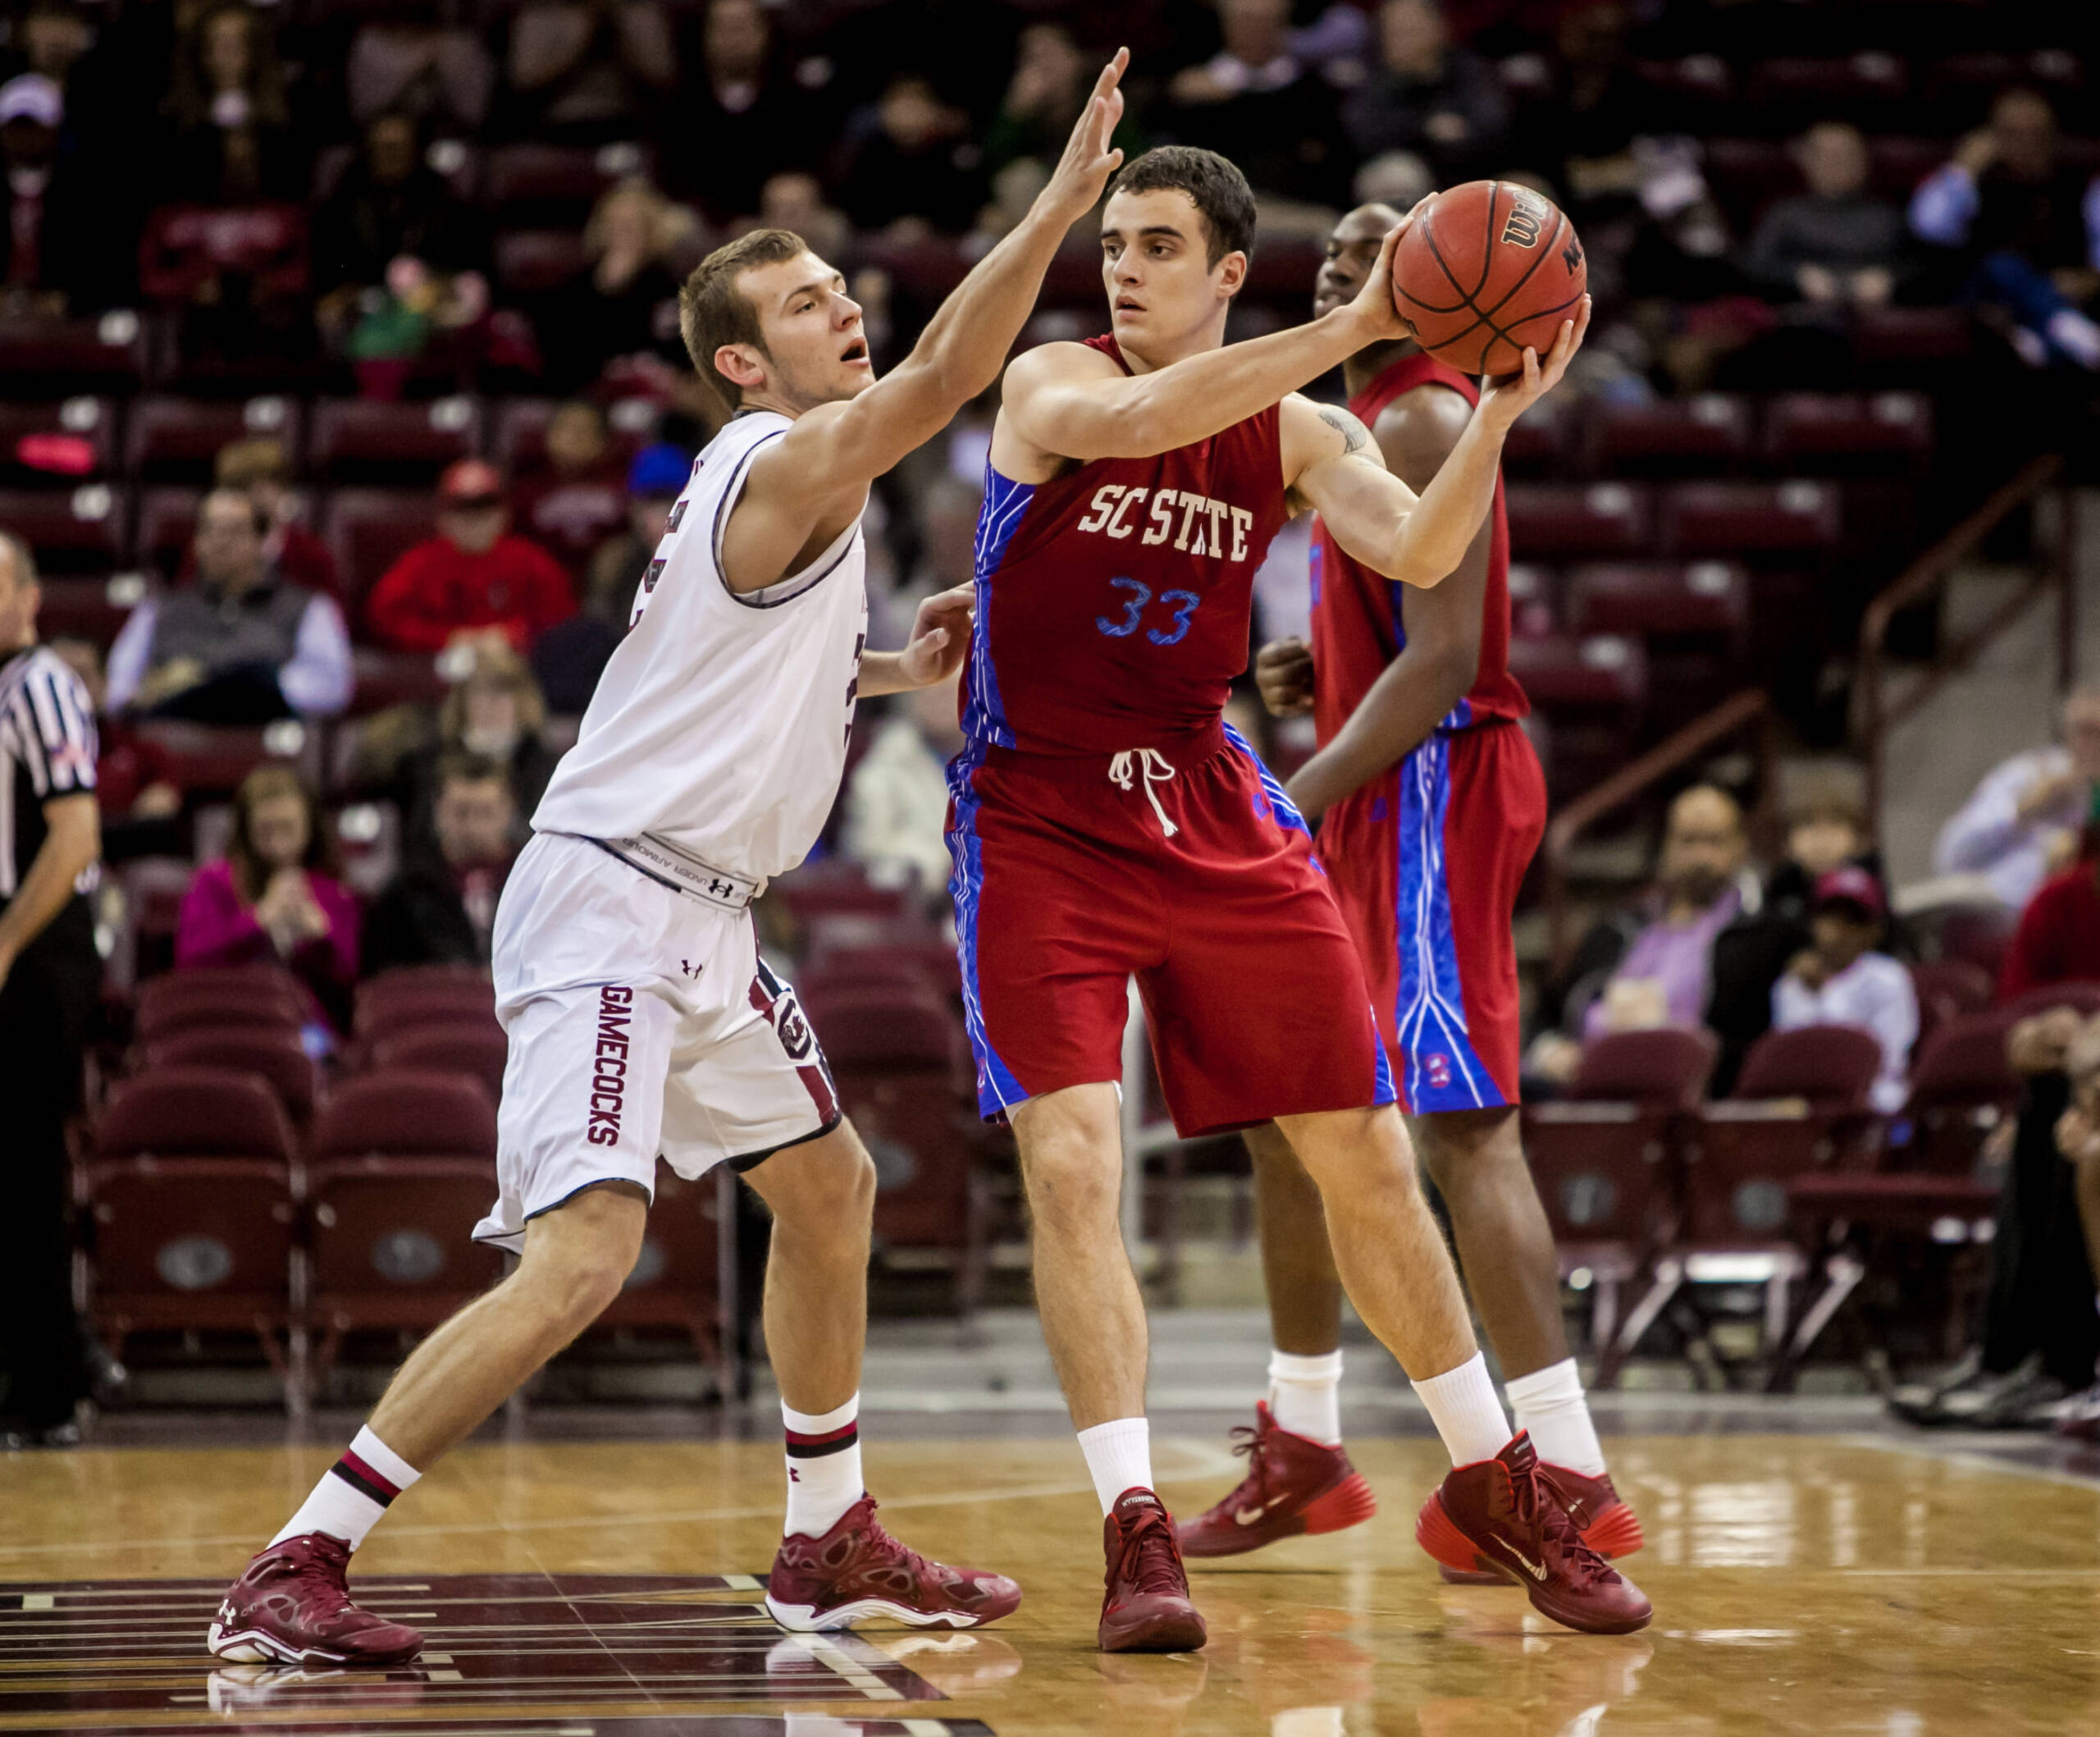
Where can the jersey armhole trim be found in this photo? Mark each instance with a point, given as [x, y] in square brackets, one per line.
[788, 587]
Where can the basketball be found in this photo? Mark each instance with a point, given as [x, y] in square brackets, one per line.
[1490, 269]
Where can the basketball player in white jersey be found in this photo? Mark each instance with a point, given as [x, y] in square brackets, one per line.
[639, 1016]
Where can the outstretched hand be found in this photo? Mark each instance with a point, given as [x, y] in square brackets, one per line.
[940, 636]
[1375, 308]
[1508, 398]
[1075, 184]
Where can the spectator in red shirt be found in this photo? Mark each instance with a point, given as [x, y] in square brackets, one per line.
[2058, 939]
[473, 577]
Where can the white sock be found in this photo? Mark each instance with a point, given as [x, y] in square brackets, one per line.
[1305, 1395]
[1462, 1405]
[1118, 1456]
[824, 1466]
[1549, 1403]
[352, 1493]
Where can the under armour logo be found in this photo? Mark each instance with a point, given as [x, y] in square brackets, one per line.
[721, 889]
[686, 968]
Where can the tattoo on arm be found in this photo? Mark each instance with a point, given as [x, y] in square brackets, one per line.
[1355, 436]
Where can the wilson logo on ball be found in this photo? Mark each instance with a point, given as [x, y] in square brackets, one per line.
[1522, 229]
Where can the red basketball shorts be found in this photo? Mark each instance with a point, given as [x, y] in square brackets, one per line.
[1066, 884]
[1426, 863]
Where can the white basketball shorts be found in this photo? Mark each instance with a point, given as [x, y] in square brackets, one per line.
[641, 1021]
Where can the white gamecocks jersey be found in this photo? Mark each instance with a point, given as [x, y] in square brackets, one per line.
[719, 725]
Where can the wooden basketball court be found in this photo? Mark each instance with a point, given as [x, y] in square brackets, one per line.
[1827, 1584]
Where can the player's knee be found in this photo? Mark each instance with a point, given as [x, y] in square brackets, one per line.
[1072, 1185]
[577, 1257]
[824, 1189]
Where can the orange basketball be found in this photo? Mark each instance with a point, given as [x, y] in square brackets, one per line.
[1488, 270]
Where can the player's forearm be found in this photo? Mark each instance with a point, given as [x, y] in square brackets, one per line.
[1200, 395]
[67, 849]
[1416, 691]
[884, 672]
[1434, 537]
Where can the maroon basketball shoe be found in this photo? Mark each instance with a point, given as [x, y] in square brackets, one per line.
[1609, 1526]
[1145, 1605]
[856, 1571]
[1502, 1516]
[1293, 1485]
[293, 1607]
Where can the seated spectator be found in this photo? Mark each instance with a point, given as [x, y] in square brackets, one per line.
[589, 73]
[1840, 979]
[794, 201]
[390, 205]
[270, 897]
[442, 77]
[745, 120]
[495, 714]
[654, 480]
[911, 167]
[580, 500]
[2022, 226]
[1429, 97]
[625, 308]
[241, 646]
[2058, 939]
[2022, 822]
[896, 799]
[1052, 82]
[1835, 245]
[474, 578]
[261, 469]
[230, 141]
[1653, 966]
[1255, 103]
[439, 908]
[51, 252]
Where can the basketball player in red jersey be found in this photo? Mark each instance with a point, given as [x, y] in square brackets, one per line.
[1433, 804]
[1106, 822]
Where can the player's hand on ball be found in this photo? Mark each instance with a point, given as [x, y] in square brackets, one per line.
[940, 636]
[1283, 671]
[1075, 184]
[1375, 310]
[1508, 398]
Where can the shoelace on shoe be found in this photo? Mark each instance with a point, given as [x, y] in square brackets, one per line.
[1149, 1559]
[885, 1551]
[315, 1571]
[1252, 1490]
[1538, 1503]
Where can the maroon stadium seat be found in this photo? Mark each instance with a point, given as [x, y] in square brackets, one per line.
[1667, 1067]
[369, 529]
[86, 609]
[1961, 1088]
[74, 530]
[1906, 337]
[273, 1053]
[403, 1113]
[1792, 89]
[1605, 674]
[531, 262]
[1831, 433]
[1736, 519]
[187, 249]
[517, 434]
[1550, 521]
[1534, 600]
[1537, 447]
[167, 522]
[390, 678]
[478, 1051]
[1831, 1066]
[175, 1112]
[203, 997]
[1706, 434]
[1666, 600]
[206, 758]
[368, 440]
[2085, 997]
[838, 887]
[552, 183]
[176, 440]
[1946, 989]
[392, 1002]
[47, 359]
[57, 445]
[676, 1280]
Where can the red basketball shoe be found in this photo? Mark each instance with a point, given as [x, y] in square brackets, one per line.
[1145, 1605]
[857, 1570]
[1293, 1485]
[293, 1607]
[1609, 1526]
[1502, 1516]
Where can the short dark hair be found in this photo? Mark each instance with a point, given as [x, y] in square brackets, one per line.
[713, 311]
[1219, 190]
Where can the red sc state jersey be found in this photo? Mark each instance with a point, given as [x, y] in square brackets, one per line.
[1356, 628]
[1114, 602]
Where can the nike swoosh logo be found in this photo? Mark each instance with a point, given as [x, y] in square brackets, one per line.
[1535, 1569]
[1251, 1516]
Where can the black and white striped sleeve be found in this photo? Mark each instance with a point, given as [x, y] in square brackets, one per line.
[54, 729]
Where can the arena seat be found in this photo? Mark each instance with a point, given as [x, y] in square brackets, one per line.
[532, 261]
[1669, 602]
[1537, 447]
[273, 1053]
[46, 444]
[677, 1277]
[407, 1113]
[1534, 600]
[76, 530]
[1550, 521]
[390, 1002]
[370, 441]
[1705, 434]
[835, 886]
[2085, 997]
[478, 1051]
[369, 529]
[167, 522]
[206, 759]
[86, 609]
[176, 440]
[206, 998]
[553, 184]
[388, 678]
[930, 962]
[1946, 989]
[1739, 520]
[51, 358]
[1667, 1067]
[1850, 434]
[517, 434]
[1790, 92]
[1910, 339]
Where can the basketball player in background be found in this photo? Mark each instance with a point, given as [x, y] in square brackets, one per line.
[639, 1016]
[1433, 803]
[1107, 822]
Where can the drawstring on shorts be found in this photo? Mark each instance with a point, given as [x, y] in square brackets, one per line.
[1123, 770]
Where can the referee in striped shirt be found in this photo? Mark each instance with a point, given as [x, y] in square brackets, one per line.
[50, 975]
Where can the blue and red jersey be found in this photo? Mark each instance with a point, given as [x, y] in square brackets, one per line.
[1115, 602]
[1357, 628]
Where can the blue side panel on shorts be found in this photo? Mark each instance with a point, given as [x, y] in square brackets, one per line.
[1385, 1093]
[1444, 1073]
[1005, 501]
[997, 1090]
[1282, 810]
